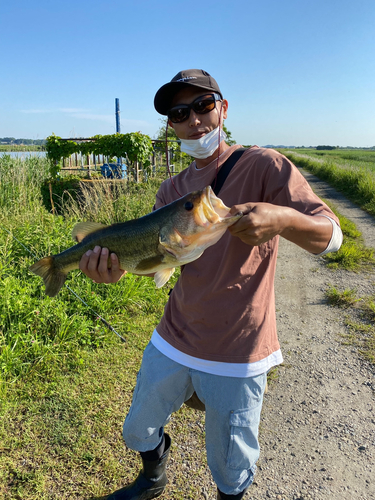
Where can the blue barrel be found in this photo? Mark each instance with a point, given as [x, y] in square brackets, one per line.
[113, 171]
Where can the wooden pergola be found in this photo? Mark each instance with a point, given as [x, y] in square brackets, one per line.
[73, 160]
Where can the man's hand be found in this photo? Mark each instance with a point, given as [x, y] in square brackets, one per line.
[94, 263]
[262, 221]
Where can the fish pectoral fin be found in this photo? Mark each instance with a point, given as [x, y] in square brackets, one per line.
[82, 229]
[150, 263]
[161, 277]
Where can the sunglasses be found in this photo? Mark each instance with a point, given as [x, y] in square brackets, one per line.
[201, 106]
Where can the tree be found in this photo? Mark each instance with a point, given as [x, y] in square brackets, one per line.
[229, 140]
[160, 135]
[328, 148]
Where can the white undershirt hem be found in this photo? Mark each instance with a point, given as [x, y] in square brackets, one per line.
[239, 370]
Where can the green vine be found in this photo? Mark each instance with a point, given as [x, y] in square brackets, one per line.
[135, 147]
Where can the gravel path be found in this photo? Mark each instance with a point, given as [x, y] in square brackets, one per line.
[318, 419]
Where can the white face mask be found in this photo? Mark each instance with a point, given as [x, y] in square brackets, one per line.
[205, 146]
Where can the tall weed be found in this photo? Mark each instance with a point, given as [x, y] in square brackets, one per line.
[110, 202]
[47, 334]
[20, 182]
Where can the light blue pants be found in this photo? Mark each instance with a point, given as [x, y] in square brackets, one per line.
[233, 407]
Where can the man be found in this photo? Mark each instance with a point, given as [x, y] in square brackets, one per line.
[217, 337]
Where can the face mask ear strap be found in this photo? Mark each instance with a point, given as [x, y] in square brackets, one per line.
[221, 123]
[220, 113]
[167, 158]
[218, 146]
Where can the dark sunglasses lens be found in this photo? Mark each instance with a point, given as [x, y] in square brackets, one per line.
[205, 105]
[179, 113]
[201, 106]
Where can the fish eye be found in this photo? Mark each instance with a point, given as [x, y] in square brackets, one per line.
[189, 205]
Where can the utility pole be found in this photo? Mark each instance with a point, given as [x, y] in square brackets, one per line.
[118, 127]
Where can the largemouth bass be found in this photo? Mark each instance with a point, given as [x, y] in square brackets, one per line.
[171, 236]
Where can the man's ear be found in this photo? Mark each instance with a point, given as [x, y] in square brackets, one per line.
[224, 104]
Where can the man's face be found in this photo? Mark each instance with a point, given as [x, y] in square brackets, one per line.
[197, 125]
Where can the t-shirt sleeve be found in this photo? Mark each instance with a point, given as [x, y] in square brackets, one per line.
[159, 198]
[284, 185]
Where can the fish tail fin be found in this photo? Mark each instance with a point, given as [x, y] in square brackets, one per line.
[53, 277]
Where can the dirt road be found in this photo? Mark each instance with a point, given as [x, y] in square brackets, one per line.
[318, 420]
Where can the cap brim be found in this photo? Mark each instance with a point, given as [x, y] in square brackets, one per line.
[164, 96]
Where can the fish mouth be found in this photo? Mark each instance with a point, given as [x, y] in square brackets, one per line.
[214, 210]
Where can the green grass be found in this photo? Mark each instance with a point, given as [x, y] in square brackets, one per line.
[61, 437]
[345, 298]
[355, 178]
[44, 334]
[20, 184]
[360, 316]
[66, 381]
[358, 157]
[353, 255]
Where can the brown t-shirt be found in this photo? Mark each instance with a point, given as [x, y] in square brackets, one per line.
[223, 306]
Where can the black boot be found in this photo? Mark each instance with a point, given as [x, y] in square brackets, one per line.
[150, 482]
[224, 496]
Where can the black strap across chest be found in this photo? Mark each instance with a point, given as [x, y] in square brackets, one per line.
[226, 167]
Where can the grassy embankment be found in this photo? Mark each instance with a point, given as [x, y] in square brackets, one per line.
[66, 381]
[351, 172]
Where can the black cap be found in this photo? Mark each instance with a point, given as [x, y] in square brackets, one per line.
[187, 78]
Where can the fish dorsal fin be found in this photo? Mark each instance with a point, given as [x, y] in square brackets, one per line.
[161, 277]
[82, 229]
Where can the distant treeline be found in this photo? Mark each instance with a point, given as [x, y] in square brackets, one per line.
[22, 142]
[9, 144]
[329, 148]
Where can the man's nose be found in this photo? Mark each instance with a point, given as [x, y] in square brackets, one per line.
[194, 119]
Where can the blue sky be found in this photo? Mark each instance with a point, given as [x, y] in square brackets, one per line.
[294, 72]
